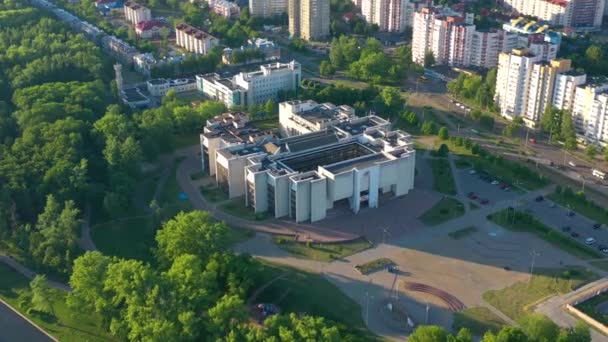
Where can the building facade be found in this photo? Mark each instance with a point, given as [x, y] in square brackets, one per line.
[267, 8]
[389, 15]
[541, 89]
[224, 8]
[160, 86]
[194, 40]
[246, 89]
[588, 110]
[136, 13]
[576, 14]
[308, 19]
[268, 51]
[358, 162]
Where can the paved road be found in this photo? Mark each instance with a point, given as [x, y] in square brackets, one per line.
[553, 308]
[29, 273]
[13, 327]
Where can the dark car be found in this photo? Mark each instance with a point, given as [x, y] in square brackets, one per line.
[571, 213]
[601, 247]
[566, 229]
[539, 199]
[597, 226]
[574, 234]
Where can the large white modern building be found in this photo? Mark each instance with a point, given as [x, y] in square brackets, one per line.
[136, 13]
[389, 15]
[267, 8]
[308, 19]
[355, 162]
[245, 89]
[194, 40]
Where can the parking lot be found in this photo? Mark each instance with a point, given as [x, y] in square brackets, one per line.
[484, 190]
[577, 227]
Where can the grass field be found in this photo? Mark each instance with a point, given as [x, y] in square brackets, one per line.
[505, 172]
[590, 308]
[67, 326]
[237, 208]
[129, 237]
[271, 124]
[446, 209]
[213, 194]
[443, 180]
[552, 236]
[321, 251]
[463, 233]
[478, 320]
[514, 301]
[593, 212]
[304, 292]
[374, 265]
[169, 199]
[186, 140]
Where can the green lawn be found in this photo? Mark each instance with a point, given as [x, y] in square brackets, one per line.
[186, 140]
[129, 238]
[590, 308]
[198, 175]
[321, 251]
[446, 209]
[271, 124]
[213, 193]
[516, 221]
[374, 265]
[305, 292]
[67, 326]
[478, 320]
[601, 264]
[238, 235]
[514, 301]
[463, 233]
[236, 207]
[169, 199]
[461, 163]
[583, 207]
[443, 180]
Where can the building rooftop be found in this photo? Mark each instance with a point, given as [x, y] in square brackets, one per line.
[193, 31]
[336, 153]
[308, 141]
[233, 127]
[358, 163]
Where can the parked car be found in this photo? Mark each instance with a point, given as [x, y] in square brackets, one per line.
[484, 201]
[552, 205]
[566, 229]
[472, 172]
[601, 247]
[574, 234]
[589, 241]
[570, 213]
[597, 226]
[539, 199]
[495, 182]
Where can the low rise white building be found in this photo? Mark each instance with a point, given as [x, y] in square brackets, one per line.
[250, 88]
[149, 29]
[160, 86]
[268, 51]
[358, 162]
[224, 8]
[194, 40]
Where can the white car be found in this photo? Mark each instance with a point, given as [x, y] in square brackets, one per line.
[589, 241]
[472, 172]
[495, 182]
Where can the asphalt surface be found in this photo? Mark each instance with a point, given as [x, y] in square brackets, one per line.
[557, 218]
[14, 328]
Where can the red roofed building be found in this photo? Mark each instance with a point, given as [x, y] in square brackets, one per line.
[149, 29]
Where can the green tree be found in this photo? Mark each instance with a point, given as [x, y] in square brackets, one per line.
[326, 69]
[506, 334]
[428, 333]
[41, 299]
[539, 328]
[568, 133]
[591, 151]
[389, 102]
[228, 313]
[196, 233]
[410, 118]
[271, 107]
[580, 333]
[427, 128]
[54, 242]
[429, 59]
[443, 133]
[443, 151]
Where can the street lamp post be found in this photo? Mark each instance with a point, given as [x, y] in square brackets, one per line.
[428, 308]
[534, 254]
[366, 308]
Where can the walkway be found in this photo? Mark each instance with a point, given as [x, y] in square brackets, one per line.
[29, 273]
